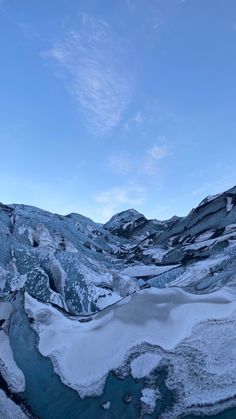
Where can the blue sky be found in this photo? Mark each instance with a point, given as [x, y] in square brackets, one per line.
[107, 105]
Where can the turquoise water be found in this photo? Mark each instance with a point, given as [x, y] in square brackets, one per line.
[48, 398]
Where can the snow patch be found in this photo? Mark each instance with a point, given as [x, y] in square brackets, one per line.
[106, 405]
[208, 199]
[146, 270]
[229, 204]
[9, 370]
[148, 399]
[18, 282]
[144, 364]
[152, 316]
[202, 369]
[9, 409]
[156, 253]
[196, 272]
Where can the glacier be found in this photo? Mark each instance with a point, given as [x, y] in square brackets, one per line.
[132, 318]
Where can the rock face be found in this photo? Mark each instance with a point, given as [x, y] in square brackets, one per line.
[67, 269]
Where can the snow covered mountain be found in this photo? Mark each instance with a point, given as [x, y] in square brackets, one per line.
[139, 313]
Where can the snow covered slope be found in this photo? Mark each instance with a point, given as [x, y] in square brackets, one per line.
[130, 296]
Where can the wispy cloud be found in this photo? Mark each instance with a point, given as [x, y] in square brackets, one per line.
[153, 155]
[136, 121]
[121, 164]
[138, 118]
[119, 198]
[145, 164]
[157, 152]
[92, 60]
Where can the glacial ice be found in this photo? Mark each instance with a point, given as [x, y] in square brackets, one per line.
[133, 296]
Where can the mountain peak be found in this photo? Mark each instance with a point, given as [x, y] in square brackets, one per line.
[125, 222]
